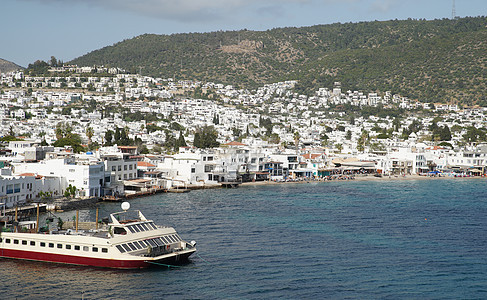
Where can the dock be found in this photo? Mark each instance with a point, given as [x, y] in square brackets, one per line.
[230, 184]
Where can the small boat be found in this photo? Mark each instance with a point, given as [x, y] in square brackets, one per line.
[129, 241]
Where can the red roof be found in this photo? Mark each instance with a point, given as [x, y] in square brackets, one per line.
[234, 143]
[31, 175]
[311, 156]
[145, 164]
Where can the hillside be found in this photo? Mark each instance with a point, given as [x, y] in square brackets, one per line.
[439, 60]
[7, 66]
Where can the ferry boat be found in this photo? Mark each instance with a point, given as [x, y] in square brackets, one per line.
[129, 241]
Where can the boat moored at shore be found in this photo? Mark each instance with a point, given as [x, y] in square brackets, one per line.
[129, 241]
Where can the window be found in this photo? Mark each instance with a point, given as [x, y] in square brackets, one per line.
[104, 250]
[68, 247]
[127, 248]
[43, 244]
[166, 241]
[125, 167]
[7, 241]
[24, 242]
[120, 248]
[86, 248]
[151, 243]
[119, 230]
[143, 244]
[132, 246]
[77, 248]
[1, 240]
[94, 249]
[120, 168]
[60, 246]
[193, 170]
[16, 242]
[130, 167]
[137, 245]
[51, 245]
[158, 242]
[145, 227]
[114, 168]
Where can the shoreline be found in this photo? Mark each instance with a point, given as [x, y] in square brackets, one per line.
[363, 178]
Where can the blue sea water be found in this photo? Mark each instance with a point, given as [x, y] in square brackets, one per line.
[328, 240]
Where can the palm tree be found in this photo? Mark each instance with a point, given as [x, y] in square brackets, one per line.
[296, 140]
[89, 133]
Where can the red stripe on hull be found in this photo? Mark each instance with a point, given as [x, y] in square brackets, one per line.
[74, 260]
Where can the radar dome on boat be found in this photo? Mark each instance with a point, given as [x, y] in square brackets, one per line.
[125, 206]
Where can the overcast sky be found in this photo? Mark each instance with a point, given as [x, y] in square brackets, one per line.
[66, 29]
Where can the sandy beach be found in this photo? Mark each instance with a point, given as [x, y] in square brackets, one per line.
[366, 178]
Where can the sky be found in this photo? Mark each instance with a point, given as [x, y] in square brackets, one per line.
[66, 29]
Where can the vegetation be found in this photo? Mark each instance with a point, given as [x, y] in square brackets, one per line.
[434, 61]
[205, 137]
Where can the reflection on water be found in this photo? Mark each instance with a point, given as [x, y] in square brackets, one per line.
[390, 239]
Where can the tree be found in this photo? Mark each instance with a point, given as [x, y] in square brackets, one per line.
[108, 137]
[70, 191]
[53, 62]
[89, 133]
[206, 137]
[181, 142]
[296, 139]
[363, 141]
[474, 135]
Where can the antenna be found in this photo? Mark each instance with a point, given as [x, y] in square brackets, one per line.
[453, 11]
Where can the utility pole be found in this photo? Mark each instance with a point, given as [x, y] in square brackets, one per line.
[453, 11]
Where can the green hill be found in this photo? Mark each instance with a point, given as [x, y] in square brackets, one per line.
[439, 60]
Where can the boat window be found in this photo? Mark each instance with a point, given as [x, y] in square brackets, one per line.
[86, 248]
[7, 241]
[77, 248]
[126, 247]
[170, 238]
[145, 227]
[137, 245]
[166, 241]
[119, 230]
[151, 224]
[120, 249]
[131, 246]
[32, 243]
[139, 227]
[94, 249]
[60, 246]
[143, 243]
[177, 237]
[134, 227]
[43, 244]
[104, 250]
[16, 241]
[151, 243]
[24, 242]
[158, 242]
[1, 240]
[51, 245]
[68, 247]
[130, 229]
